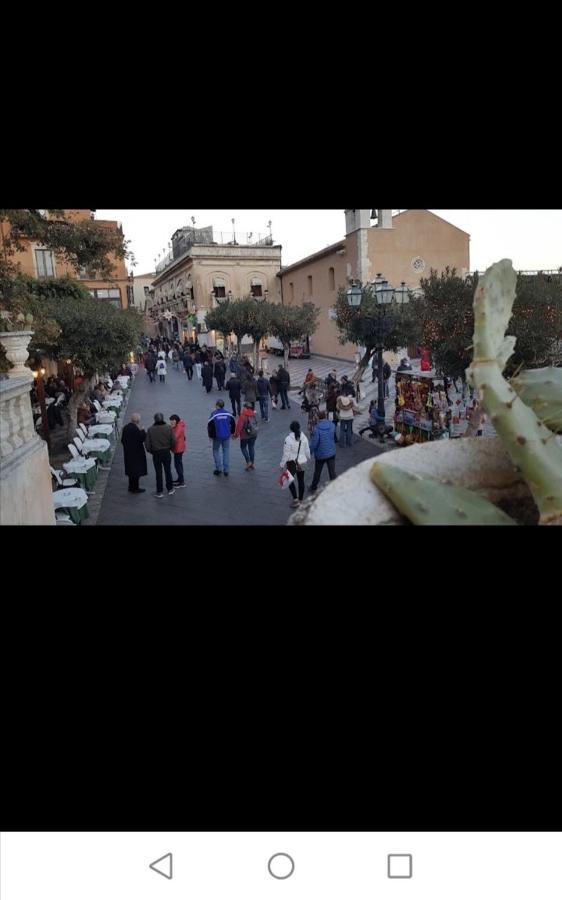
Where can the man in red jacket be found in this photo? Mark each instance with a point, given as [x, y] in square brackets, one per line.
[178, 430]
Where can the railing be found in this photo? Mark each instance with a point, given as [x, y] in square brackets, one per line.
[527, 272]
[225, 239]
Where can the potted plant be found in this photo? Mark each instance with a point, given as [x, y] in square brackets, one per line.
[515, 478]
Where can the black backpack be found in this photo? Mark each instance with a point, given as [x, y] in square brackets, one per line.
[250, 428]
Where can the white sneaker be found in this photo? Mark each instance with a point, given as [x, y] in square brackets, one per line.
[171, 492]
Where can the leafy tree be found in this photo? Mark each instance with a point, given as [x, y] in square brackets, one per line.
[221, 319]
[259, 321]
[446, 321]
[537, 322]
[96, 336]
[374, 325]
[290, 323]
[77, 242]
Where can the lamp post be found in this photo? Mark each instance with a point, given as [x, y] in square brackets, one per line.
[384, 293]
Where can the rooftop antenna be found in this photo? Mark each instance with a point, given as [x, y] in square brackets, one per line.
[233, 231]
[269, 226]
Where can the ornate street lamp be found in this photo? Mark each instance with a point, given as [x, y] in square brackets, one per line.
[384, 294]
[402, 293]
[354, 294]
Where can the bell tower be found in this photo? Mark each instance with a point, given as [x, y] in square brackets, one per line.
[357, 223]
[383, 217]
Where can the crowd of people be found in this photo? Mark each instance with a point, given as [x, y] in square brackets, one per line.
[251, 396]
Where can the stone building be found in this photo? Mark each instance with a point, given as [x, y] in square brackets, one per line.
[402, 247]
[200, 270]
[39, 262]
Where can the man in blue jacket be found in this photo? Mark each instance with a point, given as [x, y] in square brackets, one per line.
[323, 448]
[220, 428]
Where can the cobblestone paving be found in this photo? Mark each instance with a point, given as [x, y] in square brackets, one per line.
[245, 498]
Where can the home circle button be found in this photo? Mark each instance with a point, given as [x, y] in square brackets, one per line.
[281, 865]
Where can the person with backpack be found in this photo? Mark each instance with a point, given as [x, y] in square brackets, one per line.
[296, 453]
[162, 370]
[220, 428]
[346, 409]
[247, 431]
[263, 395]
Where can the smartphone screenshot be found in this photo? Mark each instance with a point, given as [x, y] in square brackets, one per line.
[281, 865]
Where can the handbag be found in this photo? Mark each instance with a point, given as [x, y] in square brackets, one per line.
[285, 479]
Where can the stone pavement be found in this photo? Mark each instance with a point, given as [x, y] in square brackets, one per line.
[245, 498]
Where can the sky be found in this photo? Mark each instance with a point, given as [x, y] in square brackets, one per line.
[531, 238]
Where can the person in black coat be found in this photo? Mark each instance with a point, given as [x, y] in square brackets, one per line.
[188, 363]
[220, 372]
[132, 438]
[207, 376]
[234, 386]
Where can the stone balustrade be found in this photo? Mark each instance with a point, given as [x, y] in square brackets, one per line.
[25, 478]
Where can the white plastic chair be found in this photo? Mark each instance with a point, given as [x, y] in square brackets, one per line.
[97, 404]
[62, 518]
[73, 451]
[61, 481]
[82, 431]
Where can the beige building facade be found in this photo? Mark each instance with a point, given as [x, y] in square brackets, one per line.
[199, 272]
[141, 289]
[403, 247]
[39, 262]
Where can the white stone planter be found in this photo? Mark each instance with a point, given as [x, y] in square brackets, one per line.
[15, 344]
[477, 463]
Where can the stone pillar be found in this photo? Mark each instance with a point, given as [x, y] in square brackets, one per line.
[25, 478]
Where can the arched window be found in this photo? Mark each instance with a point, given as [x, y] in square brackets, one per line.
[256, 288]
[291, 291]
[331, 278]
[219, 287]
[310, 285]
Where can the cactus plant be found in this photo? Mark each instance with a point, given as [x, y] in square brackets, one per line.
[427, 501]
[530, 444]
[541, 389]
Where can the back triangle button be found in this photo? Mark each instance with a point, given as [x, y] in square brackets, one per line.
[163, 865]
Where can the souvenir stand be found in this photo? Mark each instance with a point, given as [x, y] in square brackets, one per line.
[422, 410]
